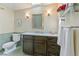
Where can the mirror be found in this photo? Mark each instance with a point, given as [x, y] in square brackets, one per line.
[37, 21]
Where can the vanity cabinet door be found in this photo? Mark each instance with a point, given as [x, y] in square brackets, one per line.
[52, 48]
[40, 46]
[28, 44]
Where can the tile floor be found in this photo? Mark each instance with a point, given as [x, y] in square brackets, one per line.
[17, 52]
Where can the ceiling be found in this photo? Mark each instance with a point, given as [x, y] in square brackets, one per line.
[18, 6]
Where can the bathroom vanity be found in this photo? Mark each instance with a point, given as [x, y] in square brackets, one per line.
[40, 44]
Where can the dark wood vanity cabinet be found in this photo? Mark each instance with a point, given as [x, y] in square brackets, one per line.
[40, 45]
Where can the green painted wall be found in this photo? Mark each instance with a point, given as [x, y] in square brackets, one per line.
[6, 37]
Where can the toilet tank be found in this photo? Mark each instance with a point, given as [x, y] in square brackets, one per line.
[16, 37]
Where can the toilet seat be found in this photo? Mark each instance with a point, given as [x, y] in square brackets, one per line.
[8, 44]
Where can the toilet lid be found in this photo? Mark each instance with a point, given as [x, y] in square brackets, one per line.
[9, 44]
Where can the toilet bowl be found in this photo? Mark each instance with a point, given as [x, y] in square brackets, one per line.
[11, 46]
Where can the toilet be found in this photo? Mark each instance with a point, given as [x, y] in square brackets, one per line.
[11, 46]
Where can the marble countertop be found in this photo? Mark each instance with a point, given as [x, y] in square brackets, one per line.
[40, 34]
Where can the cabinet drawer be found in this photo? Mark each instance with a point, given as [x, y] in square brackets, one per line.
[39, 45]
[53, 47]
[51, 44]
[27, 37]
[40, 38]
[39, 42]
[52, 39]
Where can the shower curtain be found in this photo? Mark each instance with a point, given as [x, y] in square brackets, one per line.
[66, 41]
[65, 38]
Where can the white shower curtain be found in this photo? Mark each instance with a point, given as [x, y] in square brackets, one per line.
[65, 40]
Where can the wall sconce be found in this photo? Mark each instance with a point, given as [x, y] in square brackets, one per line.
[48, 13]
[27, 16]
